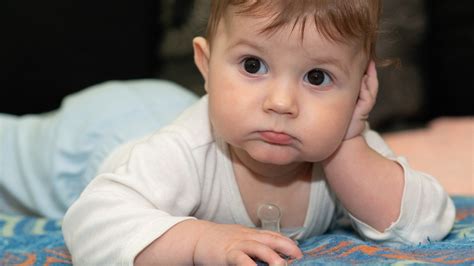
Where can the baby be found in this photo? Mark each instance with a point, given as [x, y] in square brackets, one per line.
[290, 85]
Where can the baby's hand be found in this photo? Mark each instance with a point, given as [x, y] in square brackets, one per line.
[238, 245]
[365, 103]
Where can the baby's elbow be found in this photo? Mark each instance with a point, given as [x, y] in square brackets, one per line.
[438, 227]
[427, 226]
[434, 227]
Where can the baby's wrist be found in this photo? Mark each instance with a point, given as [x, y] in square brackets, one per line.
[203, 228]
[356, 131]
[348, 148]
[352, 136]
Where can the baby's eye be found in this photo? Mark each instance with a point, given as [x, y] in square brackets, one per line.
[318, 77]
[254, 65]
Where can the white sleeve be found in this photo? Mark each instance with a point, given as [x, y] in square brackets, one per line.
[147, 188]
[426, 213]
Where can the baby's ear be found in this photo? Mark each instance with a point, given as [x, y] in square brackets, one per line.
[201, 57]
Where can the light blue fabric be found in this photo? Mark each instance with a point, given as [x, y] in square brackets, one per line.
[37, 241]
[47, 159]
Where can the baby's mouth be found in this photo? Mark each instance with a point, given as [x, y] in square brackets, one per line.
[279, 138]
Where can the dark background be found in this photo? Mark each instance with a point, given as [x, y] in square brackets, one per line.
[448, 55]
[54, 48]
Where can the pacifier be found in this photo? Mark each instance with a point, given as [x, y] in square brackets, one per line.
[269, 215]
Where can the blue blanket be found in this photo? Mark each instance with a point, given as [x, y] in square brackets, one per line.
[38, 241]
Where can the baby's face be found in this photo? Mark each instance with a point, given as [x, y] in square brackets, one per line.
[280, 98]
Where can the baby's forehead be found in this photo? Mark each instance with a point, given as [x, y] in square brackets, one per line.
[300, 25]
[302, 29]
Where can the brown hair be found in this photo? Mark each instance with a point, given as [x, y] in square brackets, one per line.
[337, 20]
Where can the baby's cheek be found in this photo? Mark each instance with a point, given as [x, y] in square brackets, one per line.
[224, 125]
[330, 138]
[328, 149]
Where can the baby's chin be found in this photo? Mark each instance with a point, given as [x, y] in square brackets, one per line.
[278, 155]
[277, 158]
[267, 153]
[273, 160]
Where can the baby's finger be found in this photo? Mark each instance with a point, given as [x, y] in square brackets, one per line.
[243, 251]
[365, 93]
[372, 80]
[238, 257]
[280, 243]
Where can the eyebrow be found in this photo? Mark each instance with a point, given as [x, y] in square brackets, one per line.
[245, 42]
[329, 60]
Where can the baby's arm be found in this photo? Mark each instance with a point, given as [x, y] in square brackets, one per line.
[355, 171]
[140, 209]
[207, 243]
[380, 190]
[369, 185]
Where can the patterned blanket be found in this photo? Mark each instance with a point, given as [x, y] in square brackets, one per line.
[38, 241]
